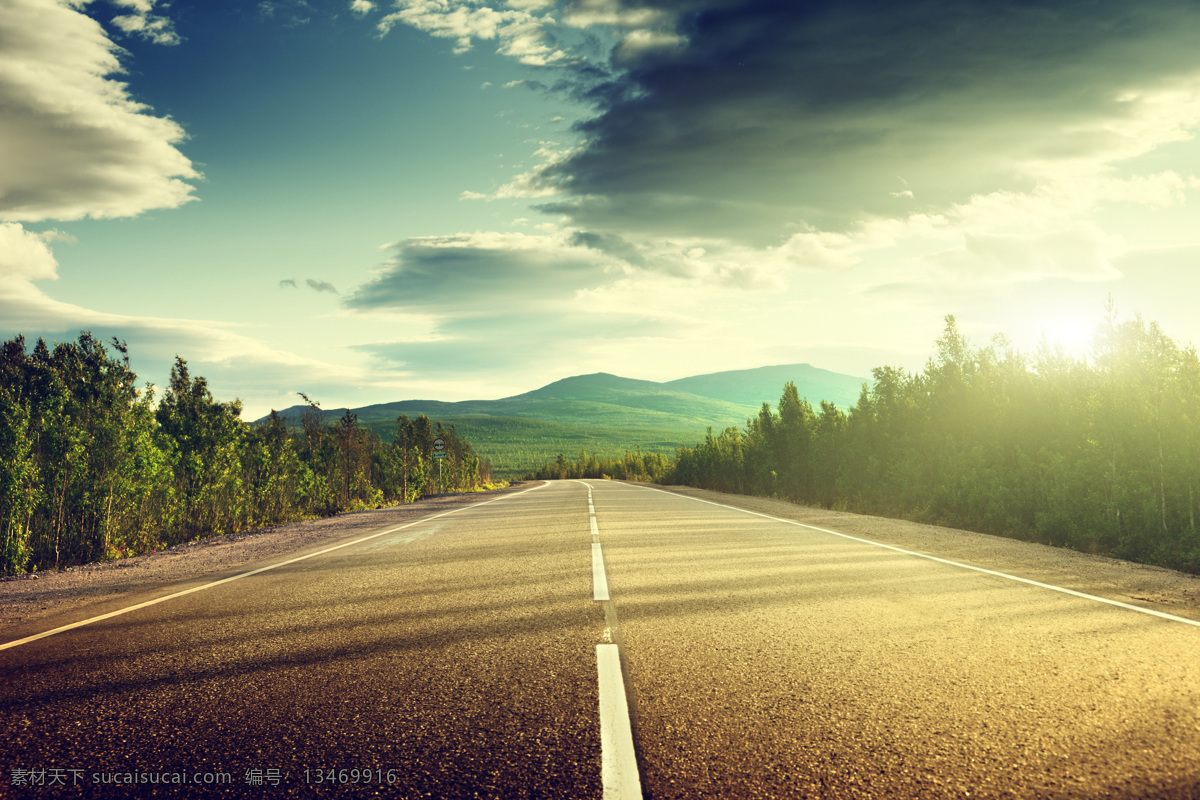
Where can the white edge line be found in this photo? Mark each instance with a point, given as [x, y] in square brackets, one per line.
[1005, 575]
[164, 598]
[618, 760]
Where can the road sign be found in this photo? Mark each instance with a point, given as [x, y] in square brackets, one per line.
[439, 445]
[439, 454]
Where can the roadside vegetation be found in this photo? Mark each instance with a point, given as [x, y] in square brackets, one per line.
[633, 466]
[92, 468]
[518, 445]
[1100, 454]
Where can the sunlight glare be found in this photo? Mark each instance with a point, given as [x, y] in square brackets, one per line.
[1072, 334]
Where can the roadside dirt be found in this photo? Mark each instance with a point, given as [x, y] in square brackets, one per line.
[28, 605]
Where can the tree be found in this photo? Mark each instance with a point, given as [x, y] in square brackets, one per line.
[204, 437]
[794, 440]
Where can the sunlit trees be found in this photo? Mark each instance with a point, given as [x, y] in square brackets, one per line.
[1102, 456]
[204, 438]
[80, 470]
[273, 474]
[828, 451]
[20, 485]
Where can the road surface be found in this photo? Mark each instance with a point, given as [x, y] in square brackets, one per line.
[588, 639]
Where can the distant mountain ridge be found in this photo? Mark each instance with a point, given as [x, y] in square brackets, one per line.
[607, 414]
[715, 395]
[753, 386]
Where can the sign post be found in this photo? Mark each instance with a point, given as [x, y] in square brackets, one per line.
[439, 454]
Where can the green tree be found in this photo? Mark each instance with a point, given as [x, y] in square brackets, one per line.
[204, 439]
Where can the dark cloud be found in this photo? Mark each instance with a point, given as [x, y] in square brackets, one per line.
[288, 283]
[500, 343]
[611, 244]
[532, 85]
[476, 273]
[321, 286]
[781, 113]
[504, 301]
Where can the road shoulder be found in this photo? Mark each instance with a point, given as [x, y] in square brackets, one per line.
[29, 605]
[1156, 588]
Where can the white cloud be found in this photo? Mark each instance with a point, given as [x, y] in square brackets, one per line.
[361, 7]
[159, 30]
[821, 250]
[447, 19]
[530, 5]
[520, 34]
[638, 45]
[25, 255]
[140, 6]
[612, 13]
[236, 364]
[1055, 204]
[1138, 121]
[527, 41]
[145, 23]
[75, 144]
[1081, 252]
[533, 182]
[1159, 190]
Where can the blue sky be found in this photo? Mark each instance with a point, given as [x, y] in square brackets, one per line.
[459, 199]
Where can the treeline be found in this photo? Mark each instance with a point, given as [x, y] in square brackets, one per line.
[1099, 454]
[633, 466]
[91, 468]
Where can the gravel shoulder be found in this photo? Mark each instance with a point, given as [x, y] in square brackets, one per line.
[29, 605]
[1164, 590]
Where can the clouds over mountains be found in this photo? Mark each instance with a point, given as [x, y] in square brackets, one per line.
[740, 144]
[758, 155]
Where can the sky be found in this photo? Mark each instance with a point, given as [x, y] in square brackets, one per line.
[379, 200]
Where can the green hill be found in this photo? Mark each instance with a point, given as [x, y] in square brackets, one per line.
[606, 414]
[753, 386]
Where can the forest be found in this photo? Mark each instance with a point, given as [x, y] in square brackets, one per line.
[93, 468]
[1099, 454]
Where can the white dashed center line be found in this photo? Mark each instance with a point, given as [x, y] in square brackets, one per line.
[618, 758]
[618, 761]
[599, 579]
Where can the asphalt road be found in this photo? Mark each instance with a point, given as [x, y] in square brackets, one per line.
[458, 657]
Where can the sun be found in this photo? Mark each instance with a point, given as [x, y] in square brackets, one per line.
[1072, 334]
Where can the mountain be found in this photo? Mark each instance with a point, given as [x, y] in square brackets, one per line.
[602, 396]
[754, 386]
[606, 414]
